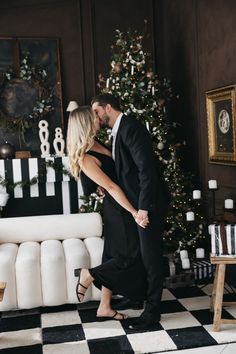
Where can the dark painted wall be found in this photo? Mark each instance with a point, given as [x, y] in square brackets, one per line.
[192, 43]
[197, 47]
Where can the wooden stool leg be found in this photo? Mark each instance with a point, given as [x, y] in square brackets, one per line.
[219, 297]
[2, 289]
[213, 295]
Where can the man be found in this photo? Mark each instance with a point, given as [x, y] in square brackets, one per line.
[139, 176]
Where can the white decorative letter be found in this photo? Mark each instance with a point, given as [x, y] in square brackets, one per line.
[43, 135]
[59, 143]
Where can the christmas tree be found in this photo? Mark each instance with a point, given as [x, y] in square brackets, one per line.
[142, 93]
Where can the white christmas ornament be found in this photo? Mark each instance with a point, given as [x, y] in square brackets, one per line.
[3, 199]
[160, 146]
[43, 136]
[59, 143]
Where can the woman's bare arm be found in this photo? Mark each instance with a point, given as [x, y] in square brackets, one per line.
[91, 167]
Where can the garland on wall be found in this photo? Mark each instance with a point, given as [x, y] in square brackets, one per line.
[56, 165]
[35, 79]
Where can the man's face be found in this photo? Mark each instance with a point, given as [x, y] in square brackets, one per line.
[101, 114]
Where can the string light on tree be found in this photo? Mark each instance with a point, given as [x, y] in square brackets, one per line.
[145, 95]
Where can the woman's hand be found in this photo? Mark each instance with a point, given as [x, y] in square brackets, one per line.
[143, 222]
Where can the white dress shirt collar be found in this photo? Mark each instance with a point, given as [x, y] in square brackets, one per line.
[116, 125]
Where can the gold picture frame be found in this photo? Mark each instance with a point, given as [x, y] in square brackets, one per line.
[220, 104]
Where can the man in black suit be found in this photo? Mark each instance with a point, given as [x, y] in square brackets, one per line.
[140, 178]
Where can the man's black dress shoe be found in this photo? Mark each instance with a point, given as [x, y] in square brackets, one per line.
[125, 304]
[145, 321]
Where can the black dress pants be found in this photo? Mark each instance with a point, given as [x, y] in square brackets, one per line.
[151, 245]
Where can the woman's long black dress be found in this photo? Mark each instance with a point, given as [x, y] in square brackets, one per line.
[122, 270]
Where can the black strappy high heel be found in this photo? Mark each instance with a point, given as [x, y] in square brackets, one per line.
[77, 274]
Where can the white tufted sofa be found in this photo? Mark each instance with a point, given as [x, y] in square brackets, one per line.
[38, 255]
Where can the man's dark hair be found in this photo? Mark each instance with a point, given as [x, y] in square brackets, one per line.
[106, 98]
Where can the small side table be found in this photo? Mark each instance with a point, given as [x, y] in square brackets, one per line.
[218, 290]
[2, 289]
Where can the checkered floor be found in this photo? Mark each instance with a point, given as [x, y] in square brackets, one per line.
[185, 323]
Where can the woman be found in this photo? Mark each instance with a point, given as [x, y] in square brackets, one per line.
[121, 271]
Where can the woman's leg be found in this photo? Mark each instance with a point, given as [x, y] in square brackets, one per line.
[104, 309]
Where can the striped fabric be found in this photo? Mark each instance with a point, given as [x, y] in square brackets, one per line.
[56, 184]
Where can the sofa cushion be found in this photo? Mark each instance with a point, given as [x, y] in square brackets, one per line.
[28, 276]
[48, 227]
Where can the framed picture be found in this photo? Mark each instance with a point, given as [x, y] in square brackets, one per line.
[30, 90]
[220, 105]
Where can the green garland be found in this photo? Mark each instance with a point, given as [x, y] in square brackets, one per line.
[56, 165]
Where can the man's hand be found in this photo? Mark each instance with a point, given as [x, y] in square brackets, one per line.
[142, 218]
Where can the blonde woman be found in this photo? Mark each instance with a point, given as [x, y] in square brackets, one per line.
[122, 271]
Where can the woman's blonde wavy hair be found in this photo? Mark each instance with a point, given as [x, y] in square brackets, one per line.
[80, 136]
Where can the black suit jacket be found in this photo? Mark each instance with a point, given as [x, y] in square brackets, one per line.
[137, 167]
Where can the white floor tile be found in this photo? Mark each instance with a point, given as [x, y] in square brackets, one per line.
[151, 342]
[63, 318]
[178, 320]
[67, 348]
[196, 303]
[20, 338]
[226, 334]
[103, 329]
[215, 349]
[231, 310]
[167, 295]
[230, 349]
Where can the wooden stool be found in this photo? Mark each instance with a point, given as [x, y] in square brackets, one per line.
[218, 290]
[2, 289]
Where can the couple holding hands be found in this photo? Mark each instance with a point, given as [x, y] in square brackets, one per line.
[134, 207]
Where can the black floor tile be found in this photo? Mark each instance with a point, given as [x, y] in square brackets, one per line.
[191, 337]
[19, 323]
[111, 345]
[61, 334]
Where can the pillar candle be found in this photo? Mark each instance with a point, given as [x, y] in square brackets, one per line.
[183, 254]
[107, 83]
[200, 253]
[196, 194]
[212, 184]
[229, 203]
[190, 216]
[132, 70]
[185, 263]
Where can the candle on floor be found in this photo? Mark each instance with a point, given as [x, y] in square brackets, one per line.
[200, 253]
[190, 216]
[212, 184]
[183, 254]
[185, 263]
[229, 204]
[196, 194]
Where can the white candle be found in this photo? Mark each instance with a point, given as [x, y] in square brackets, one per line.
[147, 126]
[212, 184]
[200, 253]
[196, 194]
[185, 263]
[132, 70]
[153, 90]
[107, 83]
[209, 229]
[183, 254]
[229, 204]
[190, 216]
